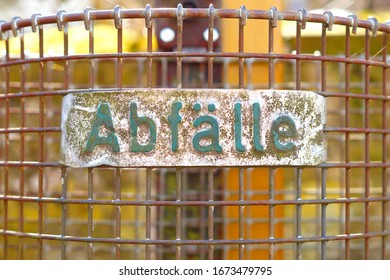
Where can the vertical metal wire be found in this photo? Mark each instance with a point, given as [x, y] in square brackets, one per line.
[366, 143]
[385, 42]
[341, 171]
[148, 217]
[225, 222]
[91, 49]
[210, 221]
[149, 26]
[119, 84]
[271, 66]
[6, 144]
[179, 46]
[137, 224]
[64, 191]
[272, 23]
[241, 208]
[301, 24]
[179, 184]
[241, 213]
[22, 143]
[90, 26]
[118, 216]
[41, 142]
[271, 197]
[203, 212]
[161, 210]
[347, 144]
[119, 60]
[248, 213]
[323, 212]
[324, 170]
[179, 78]
[242, 23]
[210, 47]
[184, 210]
[90, 213]
[298, 214]
[323, 53]
[64, 170]
[298, 171]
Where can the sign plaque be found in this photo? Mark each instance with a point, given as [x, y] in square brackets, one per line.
[193, 127]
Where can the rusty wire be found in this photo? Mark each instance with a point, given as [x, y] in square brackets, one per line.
[152, 197]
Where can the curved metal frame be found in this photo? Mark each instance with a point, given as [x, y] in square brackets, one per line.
[344, 130]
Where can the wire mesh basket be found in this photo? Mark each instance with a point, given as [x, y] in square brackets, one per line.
[336, 210]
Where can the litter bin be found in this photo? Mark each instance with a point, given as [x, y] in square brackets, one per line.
[336, 209]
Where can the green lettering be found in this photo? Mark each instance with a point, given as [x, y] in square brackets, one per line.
[135, 122]
[174, 119]
[212, 133]
[102, 119]
[284, 127]
[238, 127]
[256, 127]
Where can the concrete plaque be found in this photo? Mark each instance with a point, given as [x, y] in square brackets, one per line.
[193, 127]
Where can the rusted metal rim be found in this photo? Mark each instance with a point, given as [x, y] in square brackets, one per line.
[205, 55]
[118, 14]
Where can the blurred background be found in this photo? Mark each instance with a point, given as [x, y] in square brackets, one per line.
[76, 219]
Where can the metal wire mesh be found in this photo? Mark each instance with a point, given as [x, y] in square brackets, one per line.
[337, 210]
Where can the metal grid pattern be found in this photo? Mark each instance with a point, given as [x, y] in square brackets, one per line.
[337, 210]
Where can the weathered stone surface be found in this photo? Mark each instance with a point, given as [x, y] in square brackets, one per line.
[193, 127]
